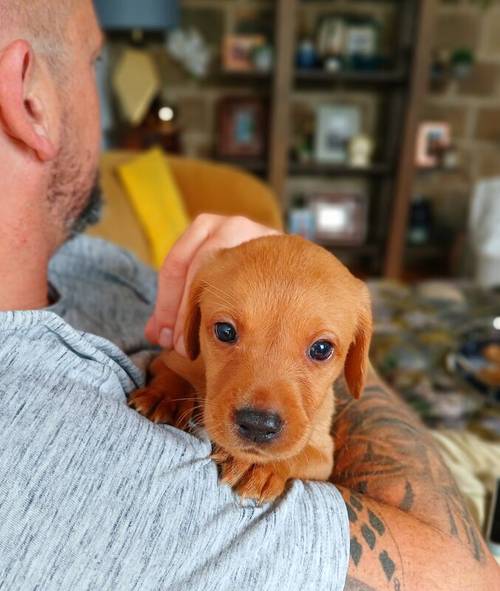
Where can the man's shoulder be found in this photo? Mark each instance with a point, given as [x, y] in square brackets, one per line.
[104, 290]
[41, 349]
[92, 260]
[99, 255]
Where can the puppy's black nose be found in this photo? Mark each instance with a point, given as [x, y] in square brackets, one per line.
[258, 426]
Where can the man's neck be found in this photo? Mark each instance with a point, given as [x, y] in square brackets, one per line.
[24, 257]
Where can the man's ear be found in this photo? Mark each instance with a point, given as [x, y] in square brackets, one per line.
[22, 113]
[193, 320]
[357, 360]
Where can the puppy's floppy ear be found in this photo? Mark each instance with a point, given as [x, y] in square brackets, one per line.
[193, 320]
[357, 360]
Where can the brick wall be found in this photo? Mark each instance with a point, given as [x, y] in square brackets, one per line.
[472, 106]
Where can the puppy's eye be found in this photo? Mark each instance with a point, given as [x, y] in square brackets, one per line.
[225, 332]
[321, 350]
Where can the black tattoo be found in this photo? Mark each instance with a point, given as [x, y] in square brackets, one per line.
[362, 486]
[383, 451]
[369, 536]
[356, 550]
[353, 517]
[353, 584]
[387, 564]
[371, 530]
[376, 523]
[407, 502]
[356, 502]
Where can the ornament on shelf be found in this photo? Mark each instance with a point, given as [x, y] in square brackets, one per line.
[189, 49]
[361, 149]
[307, 57]
[300, 218]
[263, 58]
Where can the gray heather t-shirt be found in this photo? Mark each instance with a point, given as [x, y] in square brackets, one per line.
[93, 496]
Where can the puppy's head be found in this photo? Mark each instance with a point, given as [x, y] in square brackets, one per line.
[277, 320]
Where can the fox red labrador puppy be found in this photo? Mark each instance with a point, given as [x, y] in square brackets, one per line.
[271, 325]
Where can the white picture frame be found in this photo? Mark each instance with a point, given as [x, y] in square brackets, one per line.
[336, 125]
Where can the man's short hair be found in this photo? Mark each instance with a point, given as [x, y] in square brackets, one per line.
[41, 22]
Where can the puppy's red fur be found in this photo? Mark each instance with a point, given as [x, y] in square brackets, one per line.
[282, 293]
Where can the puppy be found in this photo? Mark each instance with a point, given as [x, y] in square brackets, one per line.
[271, 325]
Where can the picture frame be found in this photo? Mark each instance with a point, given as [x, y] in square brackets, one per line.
[238, 52]
[433, 139]
[340, 218]
[336, 125]
[361, 39]
[241, 123]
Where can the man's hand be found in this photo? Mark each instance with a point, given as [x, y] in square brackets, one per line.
[207, 234]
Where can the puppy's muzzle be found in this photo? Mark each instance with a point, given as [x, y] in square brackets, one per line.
[258, 426]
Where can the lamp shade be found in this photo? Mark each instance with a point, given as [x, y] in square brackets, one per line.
[148, 15]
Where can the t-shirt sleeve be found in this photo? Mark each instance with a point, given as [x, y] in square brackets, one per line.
[95, 496]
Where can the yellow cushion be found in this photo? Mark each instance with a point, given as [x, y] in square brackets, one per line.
[155, 197]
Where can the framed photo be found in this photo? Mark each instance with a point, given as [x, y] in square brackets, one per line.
[340, 218]
[241, 126]
[433, 139]
[238, 52]
[361, 39]
[336, 125]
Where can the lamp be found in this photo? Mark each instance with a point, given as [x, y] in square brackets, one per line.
[146, 15]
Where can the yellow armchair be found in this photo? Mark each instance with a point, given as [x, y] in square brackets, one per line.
[205, 187]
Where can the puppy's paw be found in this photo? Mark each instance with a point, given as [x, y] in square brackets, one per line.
[161, 408]
[261, 482]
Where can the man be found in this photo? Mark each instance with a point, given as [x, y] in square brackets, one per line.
[92, 495]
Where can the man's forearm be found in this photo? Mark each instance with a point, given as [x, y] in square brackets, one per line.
[384, 454]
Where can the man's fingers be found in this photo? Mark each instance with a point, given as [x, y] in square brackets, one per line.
[207, 234]
[209, 246]
[172, 278]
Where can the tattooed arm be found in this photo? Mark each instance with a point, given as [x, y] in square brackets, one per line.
[410, 528]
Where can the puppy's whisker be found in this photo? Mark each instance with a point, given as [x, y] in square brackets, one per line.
[183, 416]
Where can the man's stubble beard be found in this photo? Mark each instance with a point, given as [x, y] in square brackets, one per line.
[74, 193]
[91, 213]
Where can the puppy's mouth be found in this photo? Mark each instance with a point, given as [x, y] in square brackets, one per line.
[256, 451]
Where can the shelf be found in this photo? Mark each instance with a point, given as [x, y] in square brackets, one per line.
[309, 169]
[429, 250]
[356, 78]
[317, 169]
[254, 165]
[423, 171]
[227, 78]
[362, 250]
[314, 77]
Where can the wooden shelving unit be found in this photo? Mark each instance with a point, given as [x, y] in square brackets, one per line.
[402, 87]
[315, 169]
[382, 77]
